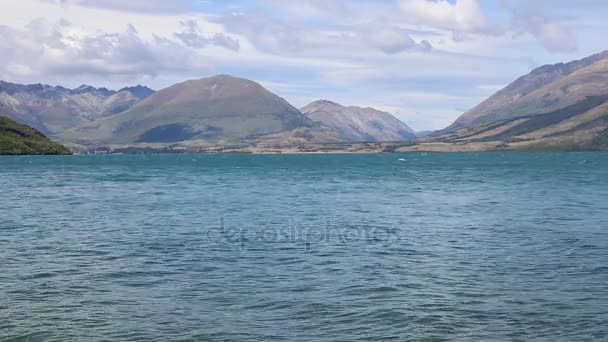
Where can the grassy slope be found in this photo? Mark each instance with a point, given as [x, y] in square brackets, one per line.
[232, 117]
[533, 125]
[18, 139]
[557, 131]
[216, 109]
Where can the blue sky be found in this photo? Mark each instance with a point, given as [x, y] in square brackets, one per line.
[426, 61]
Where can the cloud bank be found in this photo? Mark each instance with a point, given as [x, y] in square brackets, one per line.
[361, 52]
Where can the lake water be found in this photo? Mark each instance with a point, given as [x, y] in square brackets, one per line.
[391, 247]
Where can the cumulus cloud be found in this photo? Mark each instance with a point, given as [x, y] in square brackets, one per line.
[461, 16]
[557, 39]
[391, 40]
[465, 17]
[373, 49]
[44, 48]
[292, 27]
[537, 21]
[281, 38]
[191, 36]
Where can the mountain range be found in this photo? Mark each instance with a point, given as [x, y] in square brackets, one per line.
[220, 110]
[53, 109]
[555, 107]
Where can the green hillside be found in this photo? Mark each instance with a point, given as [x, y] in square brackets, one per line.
[220, 108]
[18, 139]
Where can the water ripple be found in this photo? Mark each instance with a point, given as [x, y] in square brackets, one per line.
[456, 247]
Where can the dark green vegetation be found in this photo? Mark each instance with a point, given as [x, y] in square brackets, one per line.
[17, 139]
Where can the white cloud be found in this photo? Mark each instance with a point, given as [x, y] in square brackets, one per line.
[43, 48]
[557, 39]
[191, 36]
[461, 16]
[426, 60]
[279, 37]
[538, 20]
[390, 40]
[465, 17]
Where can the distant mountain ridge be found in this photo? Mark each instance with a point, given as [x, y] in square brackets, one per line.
[215, 110]
[222, 108]
[139, 91]
[52, 109]
[358, 124]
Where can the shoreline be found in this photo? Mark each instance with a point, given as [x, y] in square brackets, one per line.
[341, 148]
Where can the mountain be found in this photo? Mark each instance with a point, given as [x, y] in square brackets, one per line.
[561, 106]
[52, 109]
[220, 108]
[139, 91]
[358, 124]
[16, 138]
[530, 90]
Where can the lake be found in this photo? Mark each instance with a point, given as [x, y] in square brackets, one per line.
[384, 247]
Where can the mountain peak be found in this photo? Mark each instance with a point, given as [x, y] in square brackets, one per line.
[84, 87]
[222, 78]
[570, 67]
[139, 91]
[207, 89]
[358, 124]
[220, 85]
[213, 108]
[322, 105]
[326, 102]
[225, 76]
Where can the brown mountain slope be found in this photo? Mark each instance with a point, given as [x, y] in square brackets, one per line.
[527, 90]
[568, 113]
[358, 124]
[574, 127]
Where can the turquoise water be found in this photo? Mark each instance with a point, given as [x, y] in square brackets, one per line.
[458, 247]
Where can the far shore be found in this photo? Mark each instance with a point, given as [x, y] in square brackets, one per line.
[332, 148]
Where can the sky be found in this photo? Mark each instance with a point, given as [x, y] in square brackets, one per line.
[425, 61]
